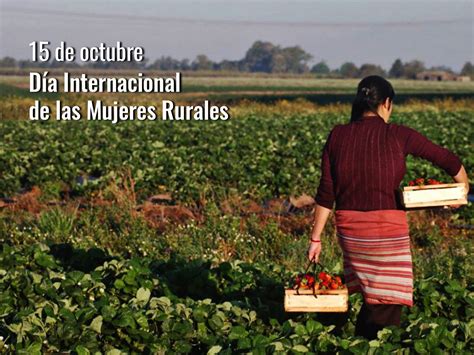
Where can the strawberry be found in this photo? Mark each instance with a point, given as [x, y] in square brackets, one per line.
[334, 285]
[324, 276]
[309, 280]
[420, 181]
[338, 280]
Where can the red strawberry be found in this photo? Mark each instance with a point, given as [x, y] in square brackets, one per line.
[309, 280]
[420, 181]
[338, 280]
[333, 285]
[324, 276]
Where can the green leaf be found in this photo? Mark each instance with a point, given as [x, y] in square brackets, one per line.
[447, 340]
[113, 352]
[45, 260]
[81, 350]
[278, 346]
[108, 312]
[125, 320]
[215, 322]
[238, 332]
[420, 347]
[374, 344]
[300, 348]
[244, 343]
[157, 144]
[313, 327]
[96, 324]
[119, 284]
[300, 330]
[36, 277]
[143, 295]
[214, 350]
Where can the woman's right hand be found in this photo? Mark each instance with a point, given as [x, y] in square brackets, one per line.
[314, 251]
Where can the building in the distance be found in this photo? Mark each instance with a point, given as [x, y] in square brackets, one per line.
[463, 78]
[441, 75]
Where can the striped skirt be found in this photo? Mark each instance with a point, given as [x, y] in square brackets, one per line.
[377, 256]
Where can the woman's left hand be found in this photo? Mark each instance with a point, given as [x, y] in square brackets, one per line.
[313, 251]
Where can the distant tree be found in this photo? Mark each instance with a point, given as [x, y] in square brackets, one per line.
[184, 64]
[116, 65]
[259, 57]
[228, 65]
[295, 59]
[279, 63]
[468, 69]
[396, 71]
[412, 68]
[202, 62]
[8, 62]
[349, 70]
[55, 64]
[22, 64]
[371, 69]
[165, 63]
[320, 68]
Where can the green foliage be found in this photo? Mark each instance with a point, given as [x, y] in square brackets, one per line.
[468, 69]
[255, 155]
[102, 280]
[320, 68]
[135, 305]
[57, 222]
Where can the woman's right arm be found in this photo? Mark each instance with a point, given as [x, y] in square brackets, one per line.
[324, 203]
[418, 145]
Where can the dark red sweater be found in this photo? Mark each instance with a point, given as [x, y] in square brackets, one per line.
[363, 163]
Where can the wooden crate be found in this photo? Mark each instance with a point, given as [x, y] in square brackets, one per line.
[325, 300]
[434, 195]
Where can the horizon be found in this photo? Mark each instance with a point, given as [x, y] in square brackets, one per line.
[440, 32]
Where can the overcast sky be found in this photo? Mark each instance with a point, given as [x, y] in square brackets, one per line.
[436, 32]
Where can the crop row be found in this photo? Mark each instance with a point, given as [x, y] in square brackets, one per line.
[142, 305]
[255, 155]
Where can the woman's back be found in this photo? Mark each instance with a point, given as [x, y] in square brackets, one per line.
[363, 163]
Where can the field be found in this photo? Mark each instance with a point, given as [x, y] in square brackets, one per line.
[232, 87]
[165, 237]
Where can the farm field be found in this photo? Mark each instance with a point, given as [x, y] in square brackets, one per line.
[165, 237]
[263, 87]
[263, 82]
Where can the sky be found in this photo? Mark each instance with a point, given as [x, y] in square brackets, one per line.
[361, 31]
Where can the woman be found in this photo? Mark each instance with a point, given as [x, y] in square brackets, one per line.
[363, 163]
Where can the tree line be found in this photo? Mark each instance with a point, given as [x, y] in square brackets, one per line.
[264, 57]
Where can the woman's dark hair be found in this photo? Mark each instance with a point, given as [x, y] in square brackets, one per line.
[372, 91]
